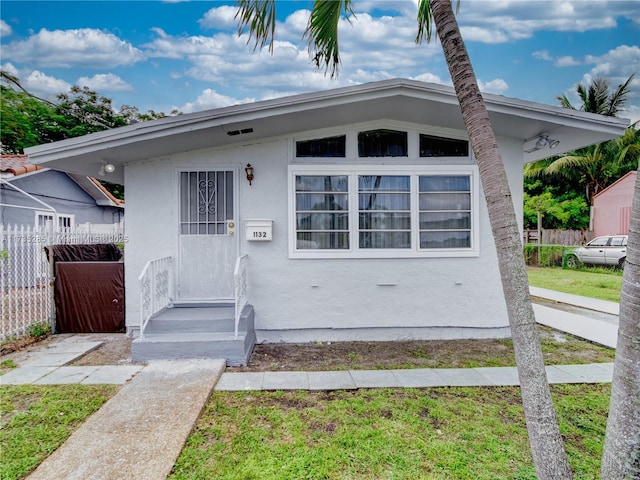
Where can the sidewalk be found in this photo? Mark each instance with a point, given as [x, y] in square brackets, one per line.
[603, 331]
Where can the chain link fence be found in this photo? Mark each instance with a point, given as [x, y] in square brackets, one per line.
[25, 273]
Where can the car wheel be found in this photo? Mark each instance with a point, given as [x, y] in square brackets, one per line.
[572, 261]
[621, 263]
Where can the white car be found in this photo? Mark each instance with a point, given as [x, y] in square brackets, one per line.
[609, 250]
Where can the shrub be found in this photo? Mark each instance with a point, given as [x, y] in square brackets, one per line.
[545, 255]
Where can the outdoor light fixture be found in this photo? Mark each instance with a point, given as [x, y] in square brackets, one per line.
[540, 141]
[106, 168]
[249, 170]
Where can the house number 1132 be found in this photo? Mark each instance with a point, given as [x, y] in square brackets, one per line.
[260, 235]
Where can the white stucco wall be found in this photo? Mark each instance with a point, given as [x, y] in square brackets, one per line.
[321, 299]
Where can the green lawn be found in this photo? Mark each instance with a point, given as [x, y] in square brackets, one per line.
[438, 433]
[38, 419]
[598, 283]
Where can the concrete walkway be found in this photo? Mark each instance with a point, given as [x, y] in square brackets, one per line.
[139, 432]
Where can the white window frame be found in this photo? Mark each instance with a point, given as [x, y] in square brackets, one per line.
[414, 171]
[49, 216]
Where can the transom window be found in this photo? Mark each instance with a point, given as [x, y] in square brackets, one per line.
[382, 143]
[362, 211]
[432, 146]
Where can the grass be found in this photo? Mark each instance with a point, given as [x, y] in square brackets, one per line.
[38, 419]
[440, 433]
[7, 365]
[601, 283]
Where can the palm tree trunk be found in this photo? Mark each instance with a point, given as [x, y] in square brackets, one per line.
[621, 456]
[544, 434]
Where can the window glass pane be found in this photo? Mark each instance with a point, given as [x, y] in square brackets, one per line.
[385, 239]
[384, 183]
[449, 239]
[445, 183]
[385, 221]
[431, 146]
[322, 147]
[382, 143]
[445, 201]
[321, 183]
[322, 221]
[321, 201]
[384, 201]
[445, 221]
[322, 240]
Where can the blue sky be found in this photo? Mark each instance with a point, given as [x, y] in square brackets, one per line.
[187, 55]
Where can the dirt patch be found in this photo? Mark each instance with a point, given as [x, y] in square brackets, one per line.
[115, 350]
[558, 348]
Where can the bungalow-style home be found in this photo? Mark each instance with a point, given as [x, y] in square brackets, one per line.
[611, 211]
[348, 214]
[31, 195]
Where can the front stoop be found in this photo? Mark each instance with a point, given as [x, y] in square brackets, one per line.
[197, 331]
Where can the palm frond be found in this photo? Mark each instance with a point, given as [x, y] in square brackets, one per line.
[259, 16]
[322, 33]
[564, 102]
[619, 97]
[425, 21]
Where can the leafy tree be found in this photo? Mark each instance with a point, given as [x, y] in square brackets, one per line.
[567, 212]
[322, 32]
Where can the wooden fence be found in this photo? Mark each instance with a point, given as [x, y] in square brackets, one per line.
[558, 237]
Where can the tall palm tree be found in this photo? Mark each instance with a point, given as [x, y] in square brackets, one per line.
[596, 97]
[322, 33]
[621, 454]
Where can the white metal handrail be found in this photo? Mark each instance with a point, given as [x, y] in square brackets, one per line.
[156, 289]
[240, 283]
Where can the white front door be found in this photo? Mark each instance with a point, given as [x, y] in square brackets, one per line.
[207, 244]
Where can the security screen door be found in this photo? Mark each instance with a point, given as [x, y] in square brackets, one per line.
[208, 245]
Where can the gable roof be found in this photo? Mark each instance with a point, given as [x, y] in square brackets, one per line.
[19, 164]
[632, 173]
[396, 99]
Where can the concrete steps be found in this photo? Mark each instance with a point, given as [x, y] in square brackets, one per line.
[197, 331]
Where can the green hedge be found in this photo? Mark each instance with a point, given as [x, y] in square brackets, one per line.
[545, 255]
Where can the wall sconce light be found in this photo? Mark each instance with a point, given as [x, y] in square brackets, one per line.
[249, 171]
[106, 168]
[540, 141]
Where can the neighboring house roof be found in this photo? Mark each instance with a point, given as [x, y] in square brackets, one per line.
[395, 99]
[17, 164]
[12, 166]
[632, 173]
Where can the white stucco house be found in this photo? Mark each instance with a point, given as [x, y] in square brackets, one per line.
[364, 217]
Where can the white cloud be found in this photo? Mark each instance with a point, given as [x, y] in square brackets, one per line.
[211, 99]
[11, 69]
[616, 64]
[497, 86]
[44, 85]
[85, 47]
[220, 18]
[542, 55]
[566, 61]
[5, 29]
[508, 20]
[105, 82]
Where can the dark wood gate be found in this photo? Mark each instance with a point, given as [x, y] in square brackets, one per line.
[88, 289]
